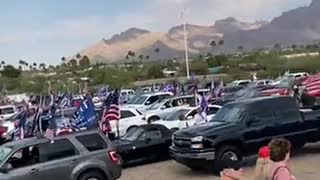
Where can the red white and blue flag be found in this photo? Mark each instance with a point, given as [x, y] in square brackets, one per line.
[111, 112]
[312, 85]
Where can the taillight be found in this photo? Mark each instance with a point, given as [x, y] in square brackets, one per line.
[3, 130]
[114, 157]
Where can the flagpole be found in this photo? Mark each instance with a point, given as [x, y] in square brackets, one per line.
[183, 16]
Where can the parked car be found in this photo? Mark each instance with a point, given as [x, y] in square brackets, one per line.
[162, 109]
[130, 118]
[145, 143]
[144, 101]
[184, 117]
[240, 128]
[7, 111]
[126, 95]
[81, 155]
[283, 88]
[240, 82]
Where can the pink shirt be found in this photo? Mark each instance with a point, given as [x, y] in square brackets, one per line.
[283, 172]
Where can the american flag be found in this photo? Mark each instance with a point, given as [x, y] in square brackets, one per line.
[312, 85]
[49, 134]
[20, 126]
[111, 112]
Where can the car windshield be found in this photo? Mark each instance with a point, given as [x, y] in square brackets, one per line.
[156, 105]
[286, 82]
[230, 113]
[140, 99]
[176, 115]
[4, 152]
[133, 134]
[245, 93]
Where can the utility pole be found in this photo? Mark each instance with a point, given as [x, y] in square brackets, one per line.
[183, 16]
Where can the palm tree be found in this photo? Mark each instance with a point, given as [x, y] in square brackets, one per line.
[3, 63]
[221, 42]
[157, 51]
[34, 64]
[213, 44]
[141, 57]
[78, 56]
[240, 48]
[20, 67]
[147, 57]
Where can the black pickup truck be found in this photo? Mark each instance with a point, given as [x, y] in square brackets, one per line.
[240, 128]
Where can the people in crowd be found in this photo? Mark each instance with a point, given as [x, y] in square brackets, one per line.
[280, 155]
[263, 164]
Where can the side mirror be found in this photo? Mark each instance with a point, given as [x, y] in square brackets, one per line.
[148, 103]
[189, 117]
[6, 168]
[163, 107]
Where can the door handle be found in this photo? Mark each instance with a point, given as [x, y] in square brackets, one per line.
[34, 171]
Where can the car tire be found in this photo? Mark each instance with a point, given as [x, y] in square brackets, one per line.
[225, 152]
[195, 168]
[92, 175]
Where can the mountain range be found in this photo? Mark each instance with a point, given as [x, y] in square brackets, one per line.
[300, 25]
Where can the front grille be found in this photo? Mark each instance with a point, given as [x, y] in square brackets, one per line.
[181, 142]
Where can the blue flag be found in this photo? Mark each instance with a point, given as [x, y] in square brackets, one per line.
[85, 116]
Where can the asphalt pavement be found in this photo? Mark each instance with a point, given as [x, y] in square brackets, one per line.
[305, 166]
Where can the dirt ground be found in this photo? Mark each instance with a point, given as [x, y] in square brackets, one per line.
[305, 166]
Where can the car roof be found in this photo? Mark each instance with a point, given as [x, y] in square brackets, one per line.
[256, 99]
[7, 106]
[41, 139]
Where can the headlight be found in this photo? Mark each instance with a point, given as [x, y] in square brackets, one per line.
[197, 146]
[197, 139]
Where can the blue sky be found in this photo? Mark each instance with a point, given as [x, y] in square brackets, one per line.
[45, 30]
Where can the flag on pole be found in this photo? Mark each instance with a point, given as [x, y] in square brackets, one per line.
[111, 112]
[20, 126]
[85, 116]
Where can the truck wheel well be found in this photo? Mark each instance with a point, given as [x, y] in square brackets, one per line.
[134, 126]
[235, 143]
[97, 170]
[155, 117]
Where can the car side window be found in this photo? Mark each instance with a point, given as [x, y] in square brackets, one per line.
[24, 157]
[92, 142]
[262, 116]
[288, 115]
[168, 104]
[126, 114]
[213, 110]
[193, 113]
[59, 149]
[152, 100]
[154, 133]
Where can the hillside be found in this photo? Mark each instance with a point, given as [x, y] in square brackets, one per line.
[170, 43]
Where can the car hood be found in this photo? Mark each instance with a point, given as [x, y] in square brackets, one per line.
[205, 129]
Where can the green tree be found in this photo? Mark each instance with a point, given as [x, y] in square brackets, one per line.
[10, 72]
[85, 61]
[73, 62]
[78, 56]
[155, 71]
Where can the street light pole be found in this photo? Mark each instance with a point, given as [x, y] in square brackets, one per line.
[186, 41]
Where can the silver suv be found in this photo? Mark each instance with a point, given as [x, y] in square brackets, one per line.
[85, 155]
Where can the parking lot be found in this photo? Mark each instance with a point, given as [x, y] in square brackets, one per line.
[304, 166]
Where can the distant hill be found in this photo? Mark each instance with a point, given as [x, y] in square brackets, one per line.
[301, 25]
[170, 44]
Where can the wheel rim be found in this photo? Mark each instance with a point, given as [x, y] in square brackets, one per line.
[93, 178]
[230, 155]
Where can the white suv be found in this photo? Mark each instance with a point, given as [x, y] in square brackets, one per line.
[144, 101]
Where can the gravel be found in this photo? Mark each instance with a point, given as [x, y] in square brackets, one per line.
[304, 166]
